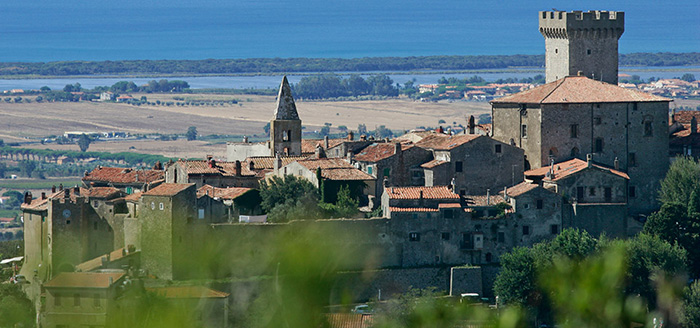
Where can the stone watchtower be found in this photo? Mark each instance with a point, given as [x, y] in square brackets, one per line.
[582, 41]
[285, 127]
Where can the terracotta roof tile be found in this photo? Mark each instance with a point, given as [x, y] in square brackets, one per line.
[438, 192]
[223, 193]
[566, 168]
[432, 164]
[413, 209]
[578, 89]
[521, 188]
[684, 116]
[217, 168]
[268, 162]
[308, 146]
[135, 197]
[96, 263]
[324, 163]
[103, 192]
[449, 205]
[379, 151]
[168, 189]
[84, 280]
[349, 320]
[446, 142]
[123, 175]
[187, 292]
[345, 174]
[482, 200]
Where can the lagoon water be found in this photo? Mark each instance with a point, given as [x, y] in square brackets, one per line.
[39, 30]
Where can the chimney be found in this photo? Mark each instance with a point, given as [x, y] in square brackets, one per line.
[579, 73]
[693, 125]
[471, 124]
[237, 171]
[325, 142]
[53, 189]
[488, 197]
[351, 136]
[60, 186]
[212, 163]
[397, 148]
[28, 197]
[76, 191]
[43, 195]
[386, 184]
[245, 139]
[589, 160]
[319, 152]
[453, 186]
[209, 157]
[617, 164]
[251, 165]
[439, 130]
[66, 194]
[363, 138]
[505, 193]
[277, 163]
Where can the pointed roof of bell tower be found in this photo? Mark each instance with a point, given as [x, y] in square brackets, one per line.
[286, 109]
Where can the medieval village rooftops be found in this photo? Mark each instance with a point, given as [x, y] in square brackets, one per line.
[446, 142]
[223, 193]
[84, 280]
[268, 162]
[483, 200]
[566, 168]
[39, 203]
[379, 151]
[345, 174]
[520, 189]
[123, 175]
[437, 192]
[308, 146]
[213, 167]
[578, 89]
[195, 292]
[168, 189]
[102, 192]
[685, 116]
[325, 163]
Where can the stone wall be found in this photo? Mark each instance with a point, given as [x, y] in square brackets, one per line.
[466, 280]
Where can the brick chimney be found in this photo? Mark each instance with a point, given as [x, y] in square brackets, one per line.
[397, 148]
[76, 191]
[28, 197]
[325, 142]
[43, 195]
[617, 163]
[471, 124]
[351, 136]
[237, 170]
[693, 125]
[53, 189]
[251, 165]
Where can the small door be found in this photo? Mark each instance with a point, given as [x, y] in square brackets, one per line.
[608, 194]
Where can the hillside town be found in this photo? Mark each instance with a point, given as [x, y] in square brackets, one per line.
[431, 208]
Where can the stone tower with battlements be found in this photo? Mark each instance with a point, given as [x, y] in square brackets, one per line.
[583, 42]
[285, 126]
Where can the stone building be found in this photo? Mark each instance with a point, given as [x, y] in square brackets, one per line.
[398, 163]
[471, 163]
[582, 42]
[538, 213]
[685, 137]
[285, 127]
[127, 179]
[212, 172]
[575, 116]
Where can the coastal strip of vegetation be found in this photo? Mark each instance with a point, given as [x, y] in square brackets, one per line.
[288, 65]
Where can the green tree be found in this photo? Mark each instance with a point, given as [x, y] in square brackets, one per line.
[689, 77]
[191, 133]
[344, 207]
[27, 168]
[289, 198]
[84, 142]
[16, 310]
[690, 314]
[682, 178]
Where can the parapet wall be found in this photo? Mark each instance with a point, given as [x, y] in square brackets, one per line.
[578, 24]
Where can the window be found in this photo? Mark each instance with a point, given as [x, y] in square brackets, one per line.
[526, 230]
[588, 52]
[648, 130]
[498, 148]
[634, 106]
[591, 191]
[414, 236]
[67, 221]
[76, 299]
[526, 206]
[387, 171]
[607, 193]
[633, 192]
[523, 131]
[458, 166]
[369, 170]
[160, 206]
[445, 236]
[501, 236]
[200, 213]
[632, 159]
[554, 229]
[574, 152]
[598, 145]
[597, 120]
[153, 205]
[448, 214]
[489, 257]
[286, 135]
[579, 193]
[539, 204]
[574, 130]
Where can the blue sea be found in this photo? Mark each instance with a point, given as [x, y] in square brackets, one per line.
[40, 30]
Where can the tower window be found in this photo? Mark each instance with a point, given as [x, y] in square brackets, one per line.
[414, 236]
[648, 130]
[632, 192]
[526, 230]
[539, 204]
[574, 130]
[632, 159]
[498, 148]
[286, 135]
[523, 130]
[458, 166]
[588, 52]
[556, 51]
[554, 229]
[598, 145]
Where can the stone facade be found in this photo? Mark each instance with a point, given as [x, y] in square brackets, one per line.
[582, 42]
[398, 163]
[285, 127]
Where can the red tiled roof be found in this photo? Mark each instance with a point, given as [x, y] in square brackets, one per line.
[433, 163]
[102, 192]
[187, 292]
[133, 197]
[379, 151]
[345, 174]
[309, 146]
[217, 168]
[123, 175]
[168, 189]
[438, 192]
[449, 205]
[578, 89]
[324, 163]
[446, 142]
[520, 189]
[96, 263]
[413, 209]
[349, 320]
[684, 116]
[84, 280]
[223, 193]
[566, 168]
[268, 162]
[482, 200]
[7, 219]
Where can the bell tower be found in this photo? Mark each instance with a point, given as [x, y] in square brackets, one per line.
[285, 127]
[583, 42]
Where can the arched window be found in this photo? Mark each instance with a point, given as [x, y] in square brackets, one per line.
[574, 152]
